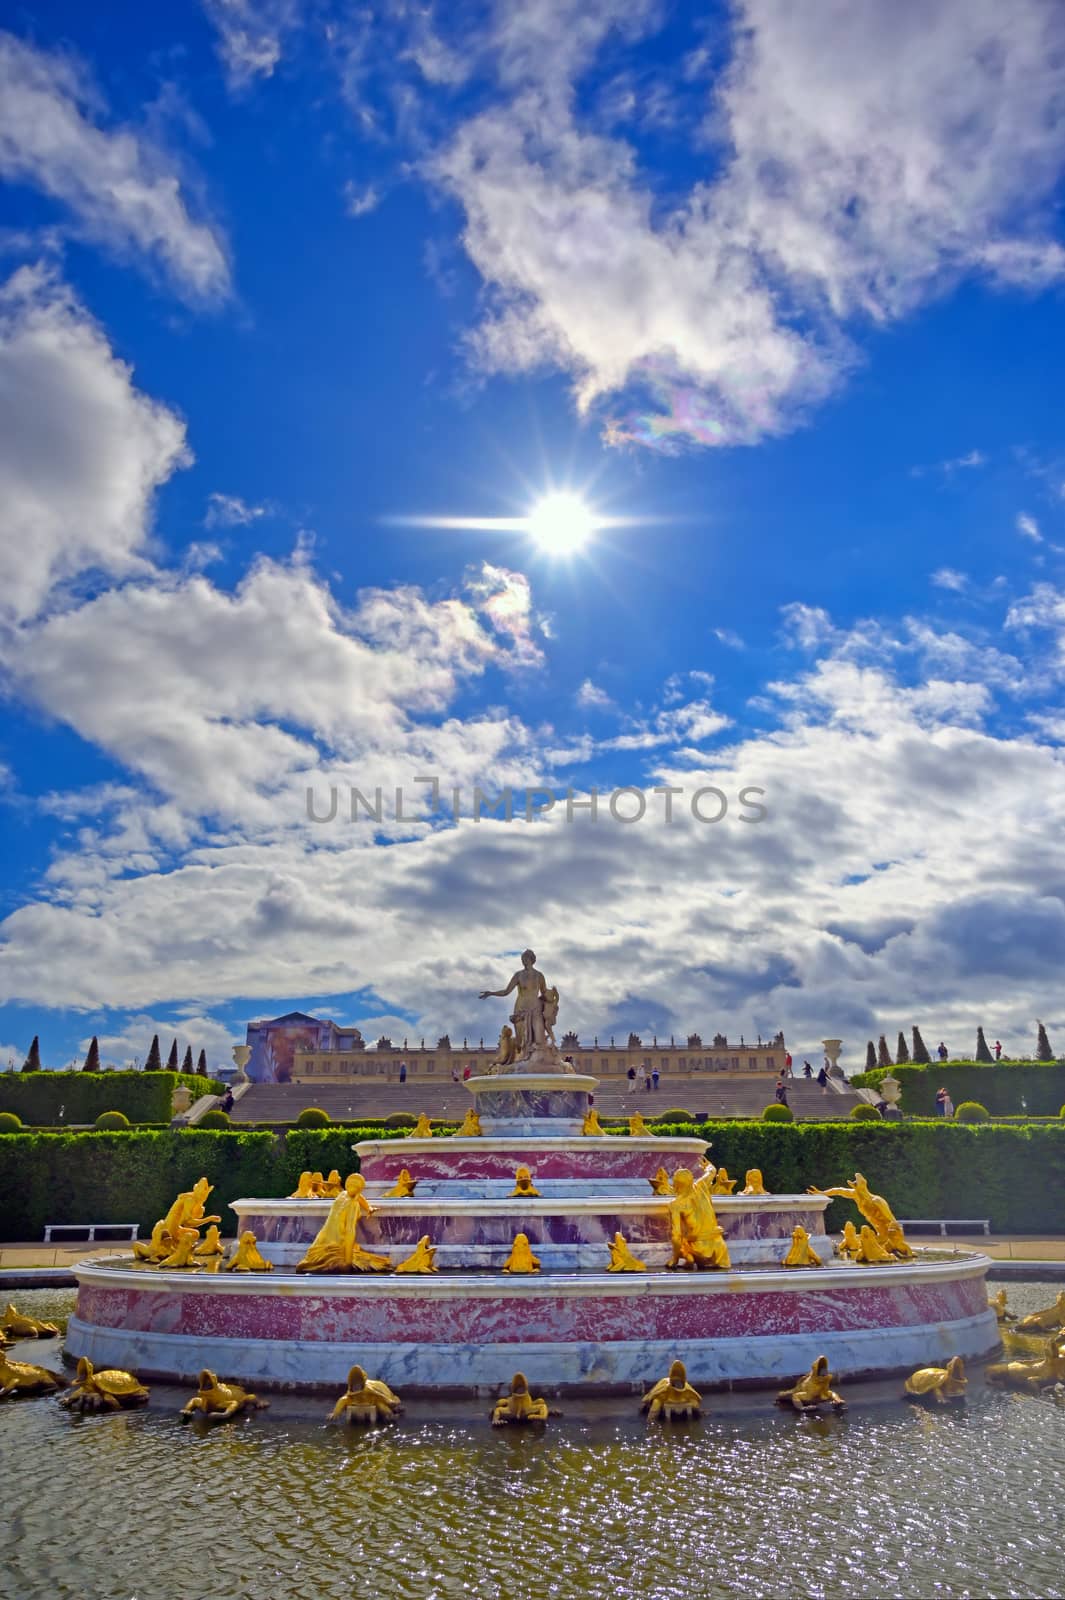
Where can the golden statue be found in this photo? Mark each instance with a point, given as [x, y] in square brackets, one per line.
[18, 1326]
[211, 1244]
[638, 1128]
[110, 1390]
[182, 1253]
[1045, 1321]
[801, 1253]
[471, 1126]
[22, 1377]
[422, 1129]
[304, 1189]
[507, 1052]
[939, 1383]
[898, 1244]
[331, 1186]
[404, 1186]
[591, 1121]
[722, 1183]
[1002, 1311]
[871, 1252]
[421, 1259]
[753, 1183]
[813, 1391]
[1041, 1374]
[849, 1245]
[155, 1248]
[366, 1400]
[336, 1246]
[523, 1185]
[693, 1226]
[186, 1215]
[622, 1258]
[672, 1397]
[317, 1185]
[660, 1183]
[873, 1207]
[220, 1401]
[248, 1257]
[521, 1258]
[519, 1405]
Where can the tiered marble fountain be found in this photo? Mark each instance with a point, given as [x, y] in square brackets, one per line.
[571, 1325]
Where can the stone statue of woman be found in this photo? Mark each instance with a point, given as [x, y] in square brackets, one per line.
[528, 1014]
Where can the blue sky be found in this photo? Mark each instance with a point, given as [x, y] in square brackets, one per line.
[777, 292]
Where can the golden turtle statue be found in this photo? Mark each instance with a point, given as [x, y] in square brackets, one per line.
[622, 1258]
[220, 1401]
[672, 1397]
[18, 1326]
[813, 1391]
[519, 1405]
[109, 1390]
[939, 1383]
[366, 1400]
[22, 1377]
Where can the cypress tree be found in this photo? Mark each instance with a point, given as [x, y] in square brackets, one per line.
[154, 1062]
[870, 1057]
[32, 1062]
[982, 1051]
[186, 1065]
[883, 1054]
[902, 1050]
[1043, 1051]
[92, 1059]
[920, 1051]
[171, 1060]
[201, 1064]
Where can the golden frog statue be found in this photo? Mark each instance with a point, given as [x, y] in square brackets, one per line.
[590, 1125]
[521, 1258]
[523, 1185]
[622, 1258]
[660, 1183]
[211, 1244]
[182, 1253]
[672, 1397]
[22, 1377]
[813, 1391]
[850, 1245]
[304, 1189]
[422, 1129]
[998, 1305]
[722, 1183]
[939, 1383]
[694, 1230]
[1041, 1374]
[404, 1186]
[421, 1259]
[873, 1207]
[1045, 1321]
[753, 1183]
[155, 1248]
[248, 1257]
[471, 1126]
[336, 1246]
[18, 1326]
[897, 1243]
[637, 1126]
[366, 1400]
[801, 1252]
[331, 1186]
[110, 1390]
[519, 1405]
[221, 1401]
[871, 1252]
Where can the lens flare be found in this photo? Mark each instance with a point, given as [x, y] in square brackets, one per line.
[561, 524]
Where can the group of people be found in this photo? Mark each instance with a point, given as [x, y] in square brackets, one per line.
[640, 1078]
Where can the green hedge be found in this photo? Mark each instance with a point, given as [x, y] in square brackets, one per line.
[1013, 1175]
[144, 1096]
[1000, 1086]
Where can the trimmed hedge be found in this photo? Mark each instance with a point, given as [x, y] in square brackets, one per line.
[143, 1096]
[313, 1117]
[864, 1113]
[999, 1087]
[1015, 1175]
[112, 1121]
[215, 1118]
[778, 1113]
[971, 1111]
[9, 1123]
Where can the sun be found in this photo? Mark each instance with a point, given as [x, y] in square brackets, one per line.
[561, 523]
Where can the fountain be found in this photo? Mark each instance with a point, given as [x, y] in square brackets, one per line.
[562, 1271]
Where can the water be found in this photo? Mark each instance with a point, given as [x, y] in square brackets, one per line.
[890, 1499]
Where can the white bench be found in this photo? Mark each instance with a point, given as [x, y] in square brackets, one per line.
[131, 1228]
[970, 1224]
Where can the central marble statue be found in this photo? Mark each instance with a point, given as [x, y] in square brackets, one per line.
[530, 1046]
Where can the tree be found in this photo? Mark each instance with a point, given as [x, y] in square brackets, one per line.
[902, 1053]
[883, 1054]
[171, 1060]
[92, 1059]
[201, 1064]
[920, 1049]
[32, 1062]
[186, 1065]
[154, 1062]
[1043, 1051]
[982, 1052]
[870, 1057]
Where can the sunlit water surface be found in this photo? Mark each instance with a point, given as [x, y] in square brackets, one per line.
[890, 1499]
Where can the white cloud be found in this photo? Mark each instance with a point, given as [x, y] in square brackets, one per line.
[806, 627]
[131, 1039]
[230, 511]
[590, 694]
[81, 449]
[1028, 527]
[950, 578]
[359, 202]
[124, 191]
[729, 638]
[250, 36]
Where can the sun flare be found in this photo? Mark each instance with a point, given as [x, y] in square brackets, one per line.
[561, 524]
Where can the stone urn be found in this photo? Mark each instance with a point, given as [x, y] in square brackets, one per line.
[242, 1055]
[832, 1048]
[181, 1103]
[890, 1090]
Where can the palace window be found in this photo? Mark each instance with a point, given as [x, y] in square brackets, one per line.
[771, 1063]
[735, 1063]
[752, 1063]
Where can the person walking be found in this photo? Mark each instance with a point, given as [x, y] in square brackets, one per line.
[782, 1092]
[631, 1075]
[807, 1070]
[942, 1051]
[787, 1063]
[822, 1078]
[641, 1076]
[998, 1049]
[403, 1072]
[455, 1073]
[654, 1079]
